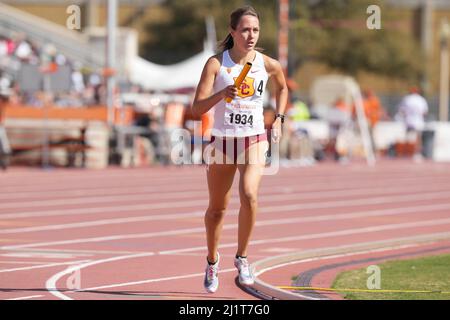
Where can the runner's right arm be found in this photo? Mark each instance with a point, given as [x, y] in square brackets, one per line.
[203, 100]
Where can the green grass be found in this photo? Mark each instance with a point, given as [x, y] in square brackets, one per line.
[429, 273]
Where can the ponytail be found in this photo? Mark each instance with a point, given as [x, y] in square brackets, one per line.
[227, 43]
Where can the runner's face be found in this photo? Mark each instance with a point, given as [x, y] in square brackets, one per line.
[246, 34]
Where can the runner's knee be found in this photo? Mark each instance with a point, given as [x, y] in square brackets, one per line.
[215, 214]
[249, 198]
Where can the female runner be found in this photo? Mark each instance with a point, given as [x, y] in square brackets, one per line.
[239, 141]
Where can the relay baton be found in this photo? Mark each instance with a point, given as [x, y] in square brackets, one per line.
[240, 78]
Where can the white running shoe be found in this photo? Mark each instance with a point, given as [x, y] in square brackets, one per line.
[246, 277]
[211, 282]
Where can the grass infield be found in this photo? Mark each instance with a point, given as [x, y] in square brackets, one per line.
[427, 274]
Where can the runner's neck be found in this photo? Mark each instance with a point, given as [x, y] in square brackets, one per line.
[240, 57]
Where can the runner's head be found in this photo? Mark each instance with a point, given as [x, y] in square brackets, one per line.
[244, 30]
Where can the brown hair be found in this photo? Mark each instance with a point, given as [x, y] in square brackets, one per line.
[235, 17]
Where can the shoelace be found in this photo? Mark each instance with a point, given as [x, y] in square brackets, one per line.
[244, 263]
[212, 271]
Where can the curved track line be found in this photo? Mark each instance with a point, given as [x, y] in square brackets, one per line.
[50, 284]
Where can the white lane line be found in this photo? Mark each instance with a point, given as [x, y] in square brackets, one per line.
[50, 284]
[90, 179]
[108, 238]
[25, 262]
[107, 209]
[42, 266]
[26, 298]
[309, 195]
[203, 202]
[345, 232]
[104, 178]
[100, 199]
[307, 219]
[187, 276]
[112, 221]
[277, 184]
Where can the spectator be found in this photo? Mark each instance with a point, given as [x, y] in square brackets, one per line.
[77, 79]
[5, 82]
[11, 45]
[299, 111]
[411, 111]
[338, 118]
[300, 148]
[373, 111]
[23, 50]
[5, 148]
[3, 46]
[372, 107]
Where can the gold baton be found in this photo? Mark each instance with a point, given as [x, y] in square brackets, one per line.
[240, 78]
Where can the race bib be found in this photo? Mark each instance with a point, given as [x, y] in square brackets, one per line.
[241, 114]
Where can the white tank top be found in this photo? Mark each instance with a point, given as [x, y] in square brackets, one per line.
[242, 117]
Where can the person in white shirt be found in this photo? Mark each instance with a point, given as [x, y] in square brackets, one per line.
[238, 127]
[412, 111]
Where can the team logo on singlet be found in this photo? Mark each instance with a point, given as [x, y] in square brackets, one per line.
[247, 88]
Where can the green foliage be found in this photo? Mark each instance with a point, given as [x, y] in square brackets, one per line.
[330, 31]
[428, 274]
[182, 35]
[178, 37]
[335, 32]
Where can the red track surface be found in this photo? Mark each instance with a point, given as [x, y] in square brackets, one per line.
[139, 234]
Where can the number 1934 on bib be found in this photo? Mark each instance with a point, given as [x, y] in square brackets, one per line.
[238, 114]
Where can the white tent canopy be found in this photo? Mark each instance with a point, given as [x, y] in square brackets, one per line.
[185, 74]
[325, 91]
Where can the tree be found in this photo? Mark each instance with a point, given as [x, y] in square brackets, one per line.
[182, 34]
[335, 32]
[178, 37]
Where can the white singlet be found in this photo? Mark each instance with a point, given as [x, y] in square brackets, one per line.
[243, 116]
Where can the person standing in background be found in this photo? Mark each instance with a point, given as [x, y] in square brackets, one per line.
[373, 111]
[5, 149]
[412, 111]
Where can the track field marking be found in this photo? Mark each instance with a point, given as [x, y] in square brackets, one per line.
[182, 204]
[26, 298]
[188, 194]
[132, 189]
[50, 284]
[328, 217]
[55, 278]
[42, 266]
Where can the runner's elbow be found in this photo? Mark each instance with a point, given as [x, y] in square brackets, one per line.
[283, 89]
[195, 110]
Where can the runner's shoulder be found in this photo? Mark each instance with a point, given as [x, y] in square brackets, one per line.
[214, 62]
[272, 65]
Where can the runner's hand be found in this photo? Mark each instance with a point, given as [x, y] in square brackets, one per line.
[276, 130]
[230, 92]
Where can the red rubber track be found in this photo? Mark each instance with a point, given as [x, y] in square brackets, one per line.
[139, 233]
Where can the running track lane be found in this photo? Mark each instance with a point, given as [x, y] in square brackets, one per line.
[139, 234]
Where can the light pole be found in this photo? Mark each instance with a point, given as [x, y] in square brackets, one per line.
[444, 82]
[283, 34]
[111, 58]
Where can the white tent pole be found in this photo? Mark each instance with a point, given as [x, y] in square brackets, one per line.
[362, 123]
[211, 37]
